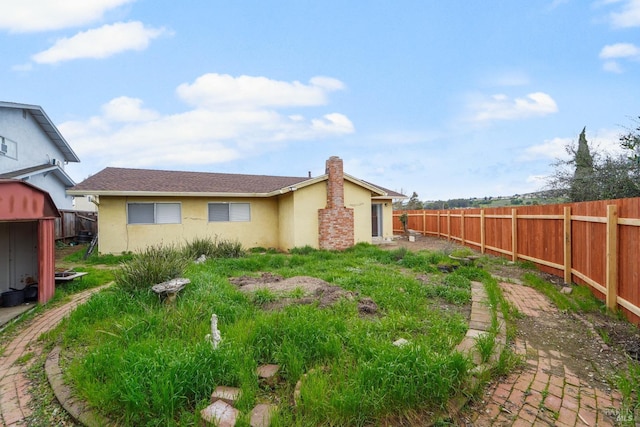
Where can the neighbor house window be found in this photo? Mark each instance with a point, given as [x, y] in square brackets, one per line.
[153, 213]
[225, 212]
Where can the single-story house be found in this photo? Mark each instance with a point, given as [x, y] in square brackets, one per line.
[27, 227]
[141, 207]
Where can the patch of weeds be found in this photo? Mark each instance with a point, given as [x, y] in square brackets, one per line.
[263, 296]
[629, 383]
[46, 411]
[24, 358]
[297, 293]
[95, 258]
[528, 265]
[400, 253]
[485, 344]
[303, 250]
[581, 298]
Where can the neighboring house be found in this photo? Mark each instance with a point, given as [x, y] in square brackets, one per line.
[33, 150]
[138, 208]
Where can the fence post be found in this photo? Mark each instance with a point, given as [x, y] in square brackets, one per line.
[462, 227]
[567, 245]
[449, 225]
[612, 257]
[424, 222]
[482, 230]
[438, 224]
[514, 235]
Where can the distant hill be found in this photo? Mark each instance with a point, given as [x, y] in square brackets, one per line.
[546, 197]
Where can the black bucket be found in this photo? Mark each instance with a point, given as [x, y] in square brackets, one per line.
[31, 293]
[12, 298]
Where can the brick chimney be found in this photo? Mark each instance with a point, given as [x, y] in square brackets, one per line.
[336, 222]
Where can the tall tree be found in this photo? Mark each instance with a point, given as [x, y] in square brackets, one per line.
[414, 203]
[582, 186]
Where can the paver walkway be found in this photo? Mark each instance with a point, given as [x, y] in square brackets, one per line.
[546, 392]
[14, 385]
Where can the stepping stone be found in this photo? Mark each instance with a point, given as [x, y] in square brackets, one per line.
[268, 374]
[227, 394]
[261, 415]
[220, 414]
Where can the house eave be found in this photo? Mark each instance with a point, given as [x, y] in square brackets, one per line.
[166, 194]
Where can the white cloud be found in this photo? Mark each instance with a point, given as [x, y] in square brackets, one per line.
[125, 109]
[101, 42]
[603, 141]
[215, 91]
[202, 136]
[611, 53]
[501, 107]
[620, 50]
[549, 149]
[44, 15]
[628, 17]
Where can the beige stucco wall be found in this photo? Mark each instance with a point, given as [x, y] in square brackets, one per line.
[116, 236]
[359, 199]
[282, 222]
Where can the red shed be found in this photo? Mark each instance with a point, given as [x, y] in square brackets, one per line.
[27, 240]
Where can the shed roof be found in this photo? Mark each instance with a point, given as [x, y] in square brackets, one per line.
[21, 201]
[47, 126]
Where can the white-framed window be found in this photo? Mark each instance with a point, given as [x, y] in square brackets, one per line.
[229, 212]
[153, 213]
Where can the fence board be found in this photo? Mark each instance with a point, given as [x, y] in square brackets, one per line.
[540, 236]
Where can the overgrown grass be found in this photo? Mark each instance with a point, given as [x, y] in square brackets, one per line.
[143, 362]
[95, 258]
[580, 300]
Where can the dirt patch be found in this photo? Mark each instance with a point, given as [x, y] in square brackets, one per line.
[301, 290]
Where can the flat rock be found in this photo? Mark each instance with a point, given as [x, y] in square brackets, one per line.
[226, 394]
[220, 414]
[261, 415]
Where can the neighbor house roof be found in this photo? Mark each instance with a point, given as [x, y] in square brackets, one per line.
[47, 126]
[40, 169]
[123, 181]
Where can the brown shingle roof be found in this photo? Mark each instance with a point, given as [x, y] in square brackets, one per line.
[161, 181]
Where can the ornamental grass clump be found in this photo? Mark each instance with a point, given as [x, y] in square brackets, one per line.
[213, 248]
[155, 264]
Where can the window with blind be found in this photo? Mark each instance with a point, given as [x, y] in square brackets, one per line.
[229, 212]
[153, 213]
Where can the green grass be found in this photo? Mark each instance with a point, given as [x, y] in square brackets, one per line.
[579, 300]
[143, 362]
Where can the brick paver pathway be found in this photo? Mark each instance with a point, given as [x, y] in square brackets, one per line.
[14, 385]
[545, 392]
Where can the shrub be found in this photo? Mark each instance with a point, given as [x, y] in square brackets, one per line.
[213, 248]
[304, 250]
[156, 264]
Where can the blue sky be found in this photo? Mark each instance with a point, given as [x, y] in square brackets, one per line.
[456, 98]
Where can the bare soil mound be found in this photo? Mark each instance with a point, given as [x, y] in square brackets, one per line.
[307, 290]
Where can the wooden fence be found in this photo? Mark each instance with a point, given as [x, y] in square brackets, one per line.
[591, 243]
[76, 224]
